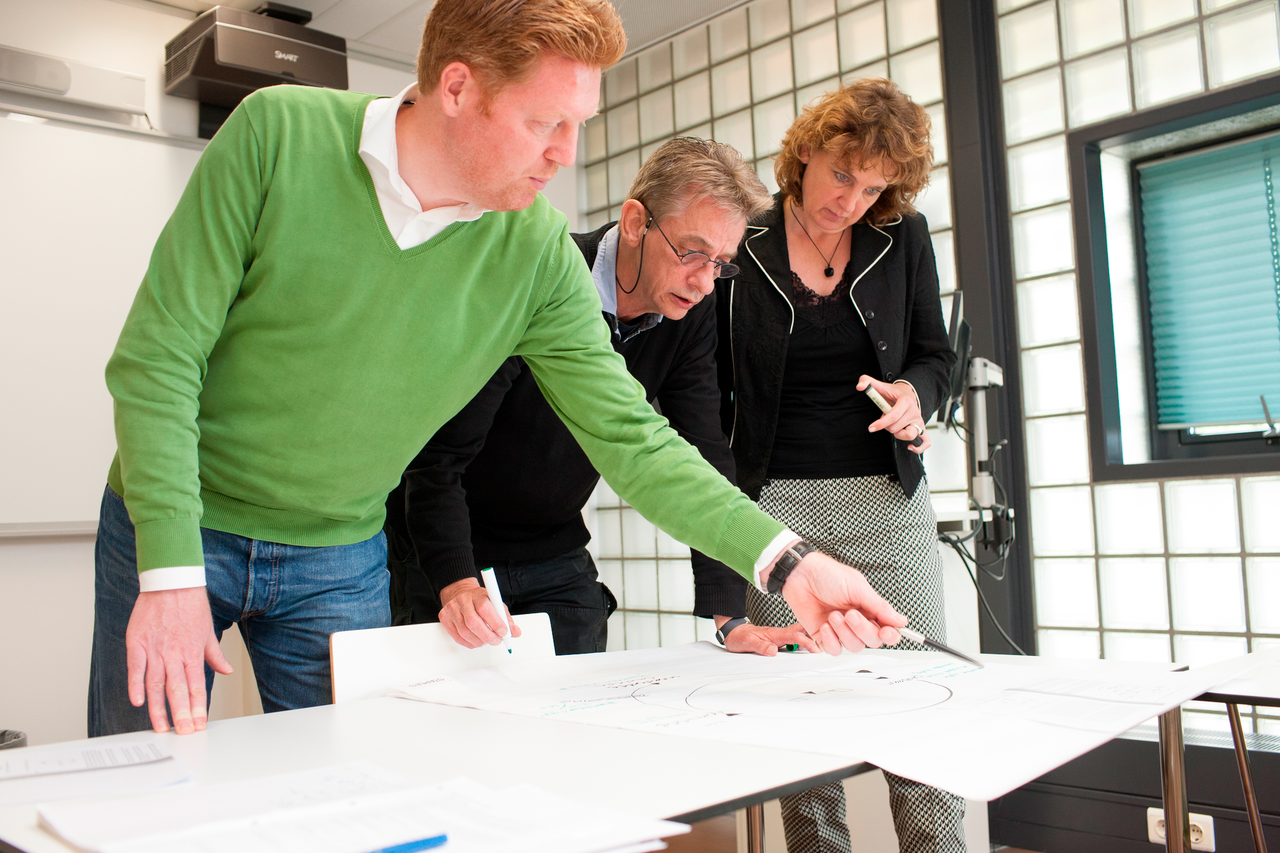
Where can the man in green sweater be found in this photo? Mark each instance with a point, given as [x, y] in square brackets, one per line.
[342, 275]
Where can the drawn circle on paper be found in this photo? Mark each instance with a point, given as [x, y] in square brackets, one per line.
[807, 695]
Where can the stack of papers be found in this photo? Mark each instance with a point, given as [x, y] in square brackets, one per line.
[39, 774]
[356, 807]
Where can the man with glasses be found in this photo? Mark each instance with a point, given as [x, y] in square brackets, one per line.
[503, 484]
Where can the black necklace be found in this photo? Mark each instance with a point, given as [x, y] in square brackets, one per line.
[830, 270]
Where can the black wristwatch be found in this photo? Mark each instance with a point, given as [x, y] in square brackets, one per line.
[786, 564]
[722, 633]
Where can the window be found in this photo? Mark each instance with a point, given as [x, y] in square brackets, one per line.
[1179, 275]
[1211, 256]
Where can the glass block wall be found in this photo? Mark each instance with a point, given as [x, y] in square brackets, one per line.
[1183, 570]
[740, 79]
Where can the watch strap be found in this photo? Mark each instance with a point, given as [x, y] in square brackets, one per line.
[791, 557]
[722, 633]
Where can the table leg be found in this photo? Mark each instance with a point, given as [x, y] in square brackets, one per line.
[755, 828]
[1246, 778]
[1173, 781]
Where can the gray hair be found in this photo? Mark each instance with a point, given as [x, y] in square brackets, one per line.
[687, 168]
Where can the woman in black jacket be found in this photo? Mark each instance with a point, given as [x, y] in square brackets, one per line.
[838, 293]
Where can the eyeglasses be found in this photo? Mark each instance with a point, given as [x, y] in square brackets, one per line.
[697, 260]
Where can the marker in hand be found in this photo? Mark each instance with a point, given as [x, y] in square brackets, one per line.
[495, 598]
[883, 405]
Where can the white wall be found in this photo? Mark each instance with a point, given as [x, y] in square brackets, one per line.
[46, 585]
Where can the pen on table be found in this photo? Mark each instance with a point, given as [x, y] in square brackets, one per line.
[917, 637]
[414, 846]
[495, 598]
[883, 405]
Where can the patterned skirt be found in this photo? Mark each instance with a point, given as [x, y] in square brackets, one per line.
[868, 523]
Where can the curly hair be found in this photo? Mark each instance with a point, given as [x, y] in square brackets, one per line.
[870, 121]
[501, 41]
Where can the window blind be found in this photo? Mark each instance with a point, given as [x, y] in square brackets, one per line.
[1213, 282]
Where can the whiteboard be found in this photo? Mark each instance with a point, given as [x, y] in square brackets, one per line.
[80, 209]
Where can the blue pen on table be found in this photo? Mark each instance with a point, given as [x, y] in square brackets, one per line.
[495, 598]
[414, 846]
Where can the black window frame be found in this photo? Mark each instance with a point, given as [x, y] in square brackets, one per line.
[1174, 454]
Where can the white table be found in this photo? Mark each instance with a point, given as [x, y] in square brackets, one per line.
[677, 778]
[663, 777]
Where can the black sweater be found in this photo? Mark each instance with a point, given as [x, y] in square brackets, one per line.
[506, 481]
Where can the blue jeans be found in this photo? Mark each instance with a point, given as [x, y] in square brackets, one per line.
[287, 600]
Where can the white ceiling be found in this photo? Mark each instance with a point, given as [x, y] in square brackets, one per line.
[391, 29]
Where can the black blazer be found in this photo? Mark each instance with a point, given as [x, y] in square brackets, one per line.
[895, 291]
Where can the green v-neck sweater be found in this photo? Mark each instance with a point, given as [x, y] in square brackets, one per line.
[284, 359]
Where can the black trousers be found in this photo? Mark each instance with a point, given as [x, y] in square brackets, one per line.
[567, 588]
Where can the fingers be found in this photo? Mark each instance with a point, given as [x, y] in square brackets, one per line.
[461, 628]
[189, 712]
[155, 696]
[471, 620]
[795, 635]
[214, 657]
[136, 668]
[146, 684]
[515, 629]
[828, 641]
[903, 420]
[874, 608]
[752, 639]
[446, 619]
[855, 631]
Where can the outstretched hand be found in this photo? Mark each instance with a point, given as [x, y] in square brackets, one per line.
[169, 639]
[838, 608]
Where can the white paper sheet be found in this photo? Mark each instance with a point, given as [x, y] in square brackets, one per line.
[39, 774]
[979, 733]
[43, 761]
[348, 808]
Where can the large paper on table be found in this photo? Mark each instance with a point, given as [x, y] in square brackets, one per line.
[978, 733]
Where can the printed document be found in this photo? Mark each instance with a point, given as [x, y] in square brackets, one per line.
[38, 774]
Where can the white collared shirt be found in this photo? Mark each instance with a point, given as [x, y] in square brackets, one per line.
[408, 223]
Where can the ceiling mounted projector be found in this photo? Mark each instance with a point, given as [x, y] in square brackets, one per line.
[227, 53]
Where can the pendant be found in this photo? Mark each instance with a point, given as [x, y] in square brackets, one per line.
[828, 272]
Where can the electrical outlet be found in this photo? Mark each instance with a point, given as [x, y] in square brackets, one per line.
[1201, 830]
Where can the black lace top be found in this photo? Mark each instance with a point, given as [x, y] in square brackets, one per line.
[822, 423]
